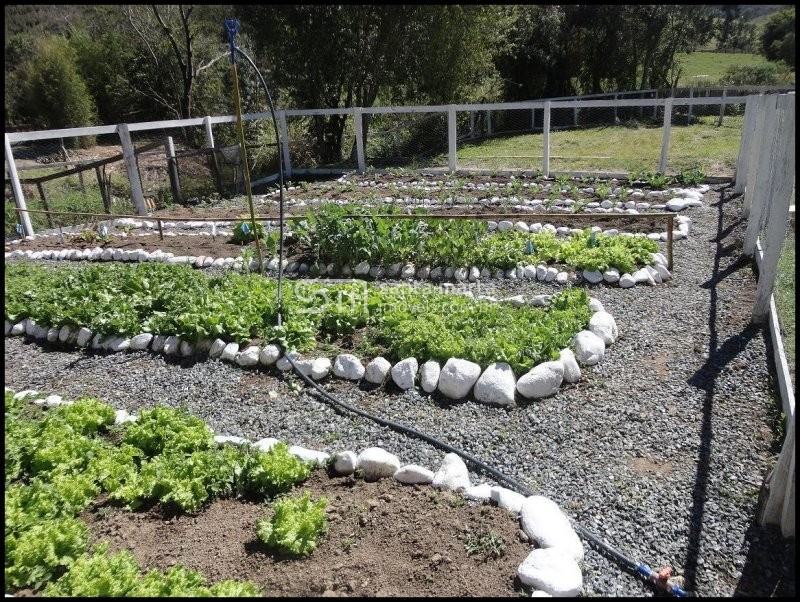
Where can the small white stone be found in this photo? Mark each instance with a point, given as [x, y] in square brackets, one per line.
[266, 444]
[377, 370]
[429, 376]
[269, 355]
[345, 462]
[309, 455]
[412, 474]
[248, 357]
[348, 366]
[320, 368]
[377, 463]
[452, 474]
[229, 353]
[507, 499]
[217, 347]
[552, 571]
[404, 373]
[141, 341]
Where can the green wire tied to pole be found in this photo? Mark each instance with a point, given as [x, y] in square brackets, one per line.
[232, 27]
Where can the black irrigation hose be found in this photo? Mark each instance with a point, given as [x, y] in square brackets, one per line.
[639, 569]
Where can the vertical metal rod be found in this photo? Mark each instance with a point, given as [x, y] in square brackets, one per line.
[160, 230]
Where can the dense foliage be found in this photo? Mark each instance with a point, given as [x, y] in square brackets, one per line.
[170, 299]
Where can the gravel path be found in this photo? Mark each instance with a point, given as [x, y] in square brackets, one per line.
[660, 449]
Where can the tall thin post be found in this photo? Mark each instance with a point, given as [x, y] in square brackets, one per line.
[287, 162]
[488, 123]
[667, 128]
[722, 106]
[755, 151]
[689, 115]
[764, 174]
[359, 132]
[452, 161]
[42, 196]
[172, 169]
[740, 174]
[546, 140]
[16, 187]
[214, 157]
[129, 157]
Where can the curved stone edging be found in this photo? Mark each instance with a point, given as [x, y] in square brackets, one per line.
[551, 569]
[456, 379]
[650, 274]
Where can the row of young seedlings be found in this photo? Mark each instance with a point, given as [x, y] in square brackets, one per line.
[456, 379]
[551, 567]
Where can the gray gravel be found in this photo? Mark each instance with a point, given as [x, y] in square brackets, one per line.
[660, 449]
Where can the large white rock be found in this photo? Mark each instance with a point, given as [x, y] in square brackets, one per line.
[320, 368]
[64, 334]
[377, 370]
[412, 474]
[479, 493]
[362, 269]
[248, 357]
[642, 276]
[507, 499]
[592, 276]
[173, 344]
[120, 344]
[611, 275]
[229, 353]
[429, 376]
[404, 373]
[283, 364]
[452, 474]
[595, 304]
[141, 341]
[496, 385]
[552, 571]
[309, 455]
[545, 523]
[604, 326]
[542, 380]
[217, 347]
[186, 349]
[84, 336]
[626, 281]
[572, 371]
[407, 271]
[458, 377]
[663, 272]
[269, 355]
[266, 444]
[345, 462]
[589, 348]
[348, 366]
[377, 463]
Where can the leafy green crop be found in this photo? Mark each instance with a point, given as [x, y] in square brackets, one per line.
[296, 526]
[86, 416]
[243, 231]
[164, 429]
[98, 575]
[274, 471]
[34, 556]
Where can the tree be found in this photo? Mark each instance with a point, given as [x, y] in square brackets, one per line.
[54, 95]
[734, 31]
[777, 38]
[339, 56]
[176, 45]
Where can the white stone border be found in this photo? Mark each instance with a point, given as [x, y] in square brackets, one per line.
[457, 379]
[551, 569]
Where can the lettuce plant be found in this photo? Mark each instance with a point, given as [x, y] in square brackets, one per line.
[296, 526]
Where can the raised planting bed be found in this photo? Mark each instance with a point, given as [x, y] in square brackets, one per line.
[102, 503]
[447, 341]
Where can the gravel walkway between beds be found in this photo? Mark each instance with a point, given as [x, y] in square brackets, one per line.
[660, 449]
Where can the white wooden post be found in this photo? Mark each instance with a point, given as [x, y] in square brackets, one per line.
[488, 123]
[689, 118]
[472, 124]
[667, 130]
[287, 162]
[755, 152]
[764, 173]
[546, 140]
[214, 157]
[129, 157]
[779, 505]
[359, 129]
[533, 119]
[575, 116]
[655, 106]
[722, 106]
[452, 162]
[616, 119]
[780, 193]
[19, 198]
[740, 174]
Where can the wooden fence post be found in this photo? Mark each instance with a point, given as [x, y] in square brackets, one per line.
[780, 192]
[533, 119]
[722, 106]
[764, 172]
[755, 152]
[666, 131]
[214, 157]
[129, 158]
[49, 217]
[742, 161]
[172, 169]
[546, 140]
[16, 187]
[779, 507]
[689, 114]
[452, 162]
[472, 124]
[359, 132]
[488, 123]
[104, 193]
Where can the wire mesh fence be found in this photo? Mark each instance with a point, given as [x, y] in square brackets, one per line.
[412, 140]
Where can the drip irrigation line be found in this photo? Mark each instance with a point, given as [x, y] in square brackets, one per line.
[657, 579]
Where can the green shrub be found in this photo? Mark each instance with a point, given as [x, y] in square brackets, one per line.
[296, 526]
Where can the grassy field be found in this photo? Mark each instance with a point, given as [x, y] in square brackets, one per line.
[619, 149]
[785, 299]
[703, 68]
